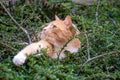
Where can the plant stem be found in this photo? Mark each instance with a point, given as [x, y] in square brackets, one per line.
[16, 23]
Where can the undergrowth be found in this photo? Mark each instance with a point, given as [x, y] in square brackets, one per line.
[103, 36]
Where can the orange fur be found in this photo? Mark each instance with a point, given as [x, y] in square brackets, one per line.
[53, 37]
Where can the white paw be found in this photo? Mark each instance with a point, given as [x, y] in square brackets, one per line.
[19, 59]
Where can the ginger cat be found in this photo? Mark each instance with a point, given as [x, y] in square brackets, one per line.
[53, 37]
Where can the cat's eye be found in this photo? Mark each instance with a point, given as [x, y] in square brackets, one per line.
[54, 26]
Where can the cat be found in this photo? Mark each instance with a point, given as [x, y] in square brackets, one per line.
[53, 37]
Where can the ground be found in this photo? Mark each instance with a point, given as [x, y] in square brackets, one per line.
[100, 37]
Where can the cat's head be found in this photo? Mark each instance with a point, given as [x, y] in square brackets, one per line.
[58, 31]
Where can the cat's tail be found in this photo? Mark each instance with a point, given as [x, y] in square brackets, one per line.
[33, 48]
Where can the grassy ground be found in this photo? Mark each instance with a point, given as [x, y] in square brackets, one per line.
[100, 35]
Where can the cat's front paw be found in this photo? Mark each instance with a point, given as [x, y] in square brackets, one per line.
[19, 59]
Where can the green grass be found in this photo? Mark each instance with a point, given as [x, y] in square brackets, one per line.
[103, 34]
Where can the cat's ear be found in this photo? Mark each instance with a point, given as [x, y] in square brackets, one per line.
[56, 17]
[68, 21]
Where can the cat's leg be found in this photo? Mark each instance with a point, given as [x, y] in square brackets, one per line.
[33, 48]
[60, 55]
[73, 46]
